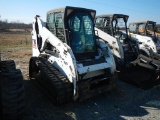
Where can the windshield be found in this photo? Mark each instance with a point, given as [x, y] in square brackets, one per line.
[82, 31]
[118, 25]
[150, 29]
[146, 29]
[141, 29]
[119, 29]
[132, 28]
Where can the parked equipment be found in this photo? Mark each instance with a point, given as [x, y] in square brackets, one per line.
[133, 66]
[113, 29]
[11, 91]
[68, 60]
[145, 33]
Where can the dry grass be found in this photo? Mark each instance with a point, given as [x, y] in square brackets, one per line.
[12, 41]
[15, 46]
[21, 54]
[15, 39]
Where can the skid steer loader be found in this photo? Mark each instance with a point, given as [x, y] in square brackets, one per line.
[144, 32]
[11, 92]
[68, 61]
[134, 67]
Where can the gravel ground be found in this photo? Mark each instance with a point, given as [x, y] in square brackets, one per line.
[125, 102]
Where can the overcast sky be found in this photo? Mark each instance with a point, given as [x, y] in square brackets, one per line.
[25, 10]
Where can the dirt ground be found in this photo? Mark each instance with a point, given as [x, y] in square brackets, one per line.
[125, 102]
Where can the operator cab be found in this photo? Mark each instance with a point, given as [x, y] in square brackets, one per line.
[145, 28]
[74, 27]
[113, 24]
[116, 26]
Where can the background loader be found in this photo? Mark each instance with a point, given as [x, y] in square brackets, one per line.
[134, 67]
[145, 33]
[68, 61]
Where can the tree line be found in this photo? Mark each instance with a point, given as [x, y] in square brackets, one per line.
[4, 24]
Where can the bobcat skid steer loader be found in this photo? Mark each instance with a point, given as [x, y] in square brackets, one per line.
[68, 61]
[144, 32]
[134, 67]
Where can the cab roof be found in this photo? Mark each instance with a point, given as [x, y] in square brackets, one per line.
[145, 22]
[63, 9]
[113, 16]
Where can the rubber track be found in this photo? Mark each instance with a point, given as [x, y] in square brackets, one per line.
[58, 87]
[12, 91]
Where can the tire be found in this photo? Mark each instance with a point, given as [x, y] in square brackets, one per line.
[12, 92]
[8, 65]
[0, 95]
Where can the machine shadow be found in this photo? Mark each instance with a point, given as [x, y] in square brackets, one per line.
[38, 106]
[123, 102]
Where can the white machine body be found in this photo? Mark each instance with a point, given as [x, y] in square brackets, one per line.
[64, 59]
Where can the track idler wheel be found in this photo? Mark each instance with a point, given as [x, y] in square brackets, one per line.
[33, 68]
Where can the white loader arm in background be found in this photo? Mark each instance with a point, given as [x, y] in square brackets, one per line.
[147, 43]
[115, 44]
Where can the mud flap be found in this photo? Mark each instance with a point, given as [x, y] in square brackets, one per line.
[143, 72]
